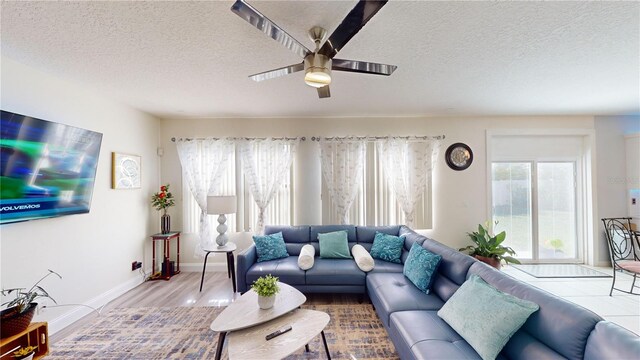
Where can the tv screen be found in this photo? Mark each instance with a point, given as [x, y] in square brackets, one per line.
[46, 169]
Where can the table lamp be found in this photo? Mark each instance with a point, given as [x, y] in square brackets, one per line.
[221, 205]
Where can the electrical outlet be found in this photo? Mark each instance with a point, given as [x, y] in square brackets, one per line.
[136, 265]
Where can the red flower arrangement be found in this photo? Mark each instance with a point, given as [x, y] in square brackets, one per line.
[163, 199]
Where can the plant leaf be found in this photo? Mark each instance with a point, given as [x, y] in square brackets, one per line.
[512, 260]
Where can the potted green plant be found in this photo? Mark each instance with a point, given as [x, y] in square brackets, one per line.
[25, 353]
[488, 248]
[19, 312]
[266, 287]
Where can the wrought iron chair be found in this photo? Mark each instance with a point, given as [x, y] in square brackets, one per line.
[622, 250]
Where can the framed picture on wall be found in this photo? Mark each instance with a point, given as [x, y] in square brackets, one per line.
[125, 171]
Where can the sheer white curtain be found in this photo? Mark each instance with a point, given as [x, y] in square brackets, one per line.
[342, 161]
[204, 162]
[266, 164]
[407, 166]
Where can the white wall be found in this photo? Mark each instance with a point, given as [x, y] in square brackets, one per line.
[612, 175]
[460, 201]
[93, 252]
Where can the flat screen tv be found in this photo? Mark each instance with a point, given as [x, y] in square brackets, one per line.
[46, 169]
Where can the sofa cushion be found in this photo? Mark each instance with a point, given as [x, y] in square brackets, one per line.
[307, 257]
[559, 324]
[421, 267]
[382, 266]
[362, 258]
[428, 337]
[334, 245]
[484, 316]
[610, 341]
[323, 229]
[270, 247]
[366, 234]
[410, 237]
[295, 237]
[391, 292]
[335, 272]
[286, 269]
[387, 247]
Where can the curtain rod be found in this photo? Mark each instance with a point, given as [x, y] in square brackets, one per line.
[302, 138]
[371, 138]
[317, 138]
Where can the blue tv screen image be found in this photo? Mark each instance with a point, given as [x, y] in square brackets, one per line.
[47, 169]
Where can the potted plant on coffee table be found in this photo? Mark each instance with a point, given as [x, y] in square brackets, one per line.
[488, 248]
[19, 312]
[266, 287]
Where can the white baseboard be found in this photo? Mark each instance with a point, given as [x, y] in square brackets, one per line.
[605, 263]
[197, 267]
[79, 312]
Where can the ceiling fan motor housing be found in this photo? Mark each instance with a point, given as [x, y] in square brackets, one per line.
[317, 68]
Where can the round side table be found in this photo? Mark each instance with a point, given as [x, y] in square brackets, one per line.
[228, 248]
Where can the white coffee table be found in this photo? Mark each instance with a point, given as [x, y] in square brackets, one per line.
[251, 344]
[245, 313]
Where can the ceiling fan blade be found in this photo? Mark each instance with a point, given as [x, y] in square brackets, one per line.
[363, 67]
[355, 20]
[323, 92]
[272, 74]
[262, 23]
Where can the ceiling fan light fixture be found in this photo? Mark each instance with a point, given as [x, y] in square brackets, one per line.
[317, 78]
[317, 70]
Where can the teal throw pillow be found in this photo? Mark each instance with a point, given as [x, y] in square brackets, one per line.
[421, 267]
[387, 247]
[484, 316]
[270, 247]
[334, 245]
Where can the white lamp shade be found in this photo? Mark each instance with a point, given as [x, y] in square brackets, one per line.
[221, 205]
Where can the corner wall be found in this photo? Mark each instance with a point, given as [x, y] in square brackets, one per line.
[93, 252]
[612, 172]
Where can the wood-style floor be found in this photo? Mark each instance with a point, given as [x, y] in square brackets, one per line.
[183, 290]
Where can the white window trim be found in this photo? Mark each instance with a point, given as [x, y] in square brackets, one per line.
[587, 195]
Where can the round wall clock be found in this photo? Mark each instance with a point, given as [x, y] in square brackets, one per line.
[459, 156]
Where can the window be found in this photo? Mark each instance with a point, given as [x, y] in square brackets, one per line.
[535, 187]
[280, 210]
[375, 203]
[511, 192]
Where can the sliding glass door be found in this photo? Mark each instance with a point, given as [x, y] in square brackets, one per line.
[535, 203]
[557, 211]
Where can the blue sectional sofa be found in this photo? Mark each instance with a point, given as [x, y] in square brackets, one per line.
[558, 330]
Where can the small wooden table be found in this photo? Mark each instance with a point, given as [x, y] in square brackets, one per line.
[166, 252]
[37, 334]
[228, 248]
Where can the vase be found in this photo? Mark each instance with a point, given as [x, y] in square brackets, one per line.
[28, 357]
[266, 302]
[491, 261]
[165, 224]
[12, 322]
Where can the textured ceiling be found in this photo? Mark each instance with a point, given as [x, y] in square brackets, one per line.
[192, 59]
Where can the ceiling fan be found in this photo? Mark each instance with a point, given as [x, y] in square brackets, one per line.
[319, 63]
